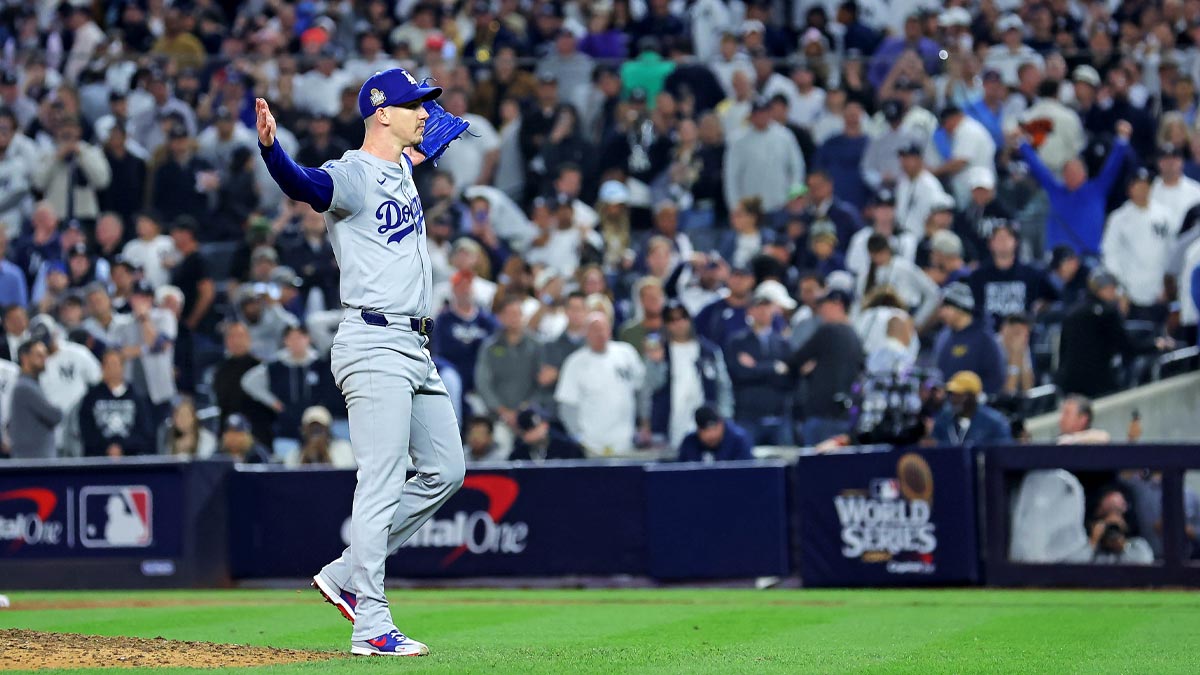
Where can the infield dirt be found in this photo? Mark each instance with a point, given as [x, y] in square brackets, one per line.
[36, 650]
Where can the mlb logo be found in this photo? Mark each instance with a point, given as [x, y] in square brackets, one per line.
[116, 516]
[885, 489]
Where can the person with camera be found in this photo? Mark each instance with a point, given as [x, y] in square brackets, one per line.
[71, 174]
[1109, 534]
[317, 444]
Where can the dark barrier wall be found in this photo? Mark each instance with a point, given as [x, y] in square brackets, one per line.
[527, 521]
[1004, 468]
[887, 517]
[727, 521]
[91, 523]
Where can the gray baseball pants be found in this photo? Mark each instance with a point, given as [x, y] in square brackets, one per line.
[397, 404]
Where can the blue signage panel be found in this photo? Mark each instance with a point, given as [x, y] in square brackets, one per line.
[525, 521]
[90, 513]
[897, 517]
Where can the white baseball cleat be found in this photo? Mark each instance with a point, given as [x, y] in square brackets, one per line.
[344, 600]
[391, 643]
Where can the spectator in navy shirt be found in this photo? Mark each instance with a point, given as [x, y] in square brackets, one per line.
[724, 318]
[757, 362]
[40, 246]
[715, 439]
[1005, 286]
[461, 329]
[966, 421]
[114, 421]
[827, 207]
[964, 344]
[841, 156]
[13, 289]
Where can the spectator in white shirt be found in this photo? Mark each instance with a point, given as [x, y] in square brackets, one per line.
[471, 161]
[1136, 245]
[319, 91]
[960, 144]
[916, 190]
[599, 390]
[1172, 190]
[153, 252]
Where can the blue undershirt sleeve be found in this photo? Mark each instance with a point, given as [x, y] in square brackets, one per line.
[311, 186]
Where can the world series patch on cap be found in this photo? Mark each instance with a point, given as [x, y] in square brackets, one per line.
[395, 86]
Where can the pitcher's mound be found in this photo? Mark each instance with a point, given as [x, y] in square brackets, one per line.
[34, 650]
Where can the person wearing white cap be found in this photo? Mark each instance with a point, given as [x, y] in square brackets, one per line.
[974, 222]
[1012, 52]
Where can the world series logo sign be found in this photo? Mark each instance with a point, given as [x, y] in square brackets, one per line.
[889, 522]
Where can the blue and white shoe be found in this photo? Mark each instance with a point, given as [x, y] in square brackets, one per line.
[344, 600]
[391, 643]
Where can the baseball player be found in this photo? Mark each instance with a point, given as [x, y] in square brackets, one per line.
[395, 397]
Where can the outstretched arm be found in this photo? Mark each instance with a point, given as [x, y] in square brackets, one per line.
[311, 186]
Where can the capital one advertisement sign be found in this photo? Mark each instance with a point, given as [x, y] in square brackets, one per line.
[78, 515]
[897, 517]
[531, 521]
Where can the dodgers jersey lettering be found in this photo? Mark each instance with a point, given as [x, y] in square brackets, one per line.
[377, 230]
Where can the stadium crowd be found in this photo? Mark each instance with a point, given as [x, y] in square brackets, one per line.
[696, 225]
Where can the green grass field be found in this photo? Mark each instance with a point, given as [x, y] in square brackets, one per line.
[653, 631]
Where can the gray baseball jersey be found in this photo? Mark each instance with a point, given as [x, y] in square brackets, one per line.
[377, 229]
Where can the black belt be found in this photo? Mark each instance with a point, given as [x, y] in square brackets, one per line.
[422, 325]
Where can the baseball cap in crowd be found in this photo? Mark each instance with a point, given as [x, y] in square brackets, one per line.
[1101, 278]
[56, 266]
[742, 270]
[707, 416]
[965, 382]
[638, 95]
[317, 413]
[143, 288]
[884, 196]
[773, 292]
[285, 276]
[1013, 227]
[1061, 254]
[796, 191]
[912, 147]
[530, 417]
[959, 296]
[892, 109]
[823, 229]
[1009, 22]
[992, 75]
[946, 242]
[177, 132]
[1143, 174]
[955, 16]
[613, 192]
[264, 253]
[1086, 74]
[8, 78]
[394, 86]
[1170, 150]
[79, 249]
[835, 295]
[981, 177]
[841, 279]
[760, 103]
[751, 26]
[237, 422]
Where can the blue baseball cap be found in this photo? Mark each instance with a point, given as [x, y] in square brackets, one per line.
[394, 86]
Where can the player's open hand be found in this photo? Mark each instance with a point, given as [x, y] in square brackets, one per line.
[266, 122]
